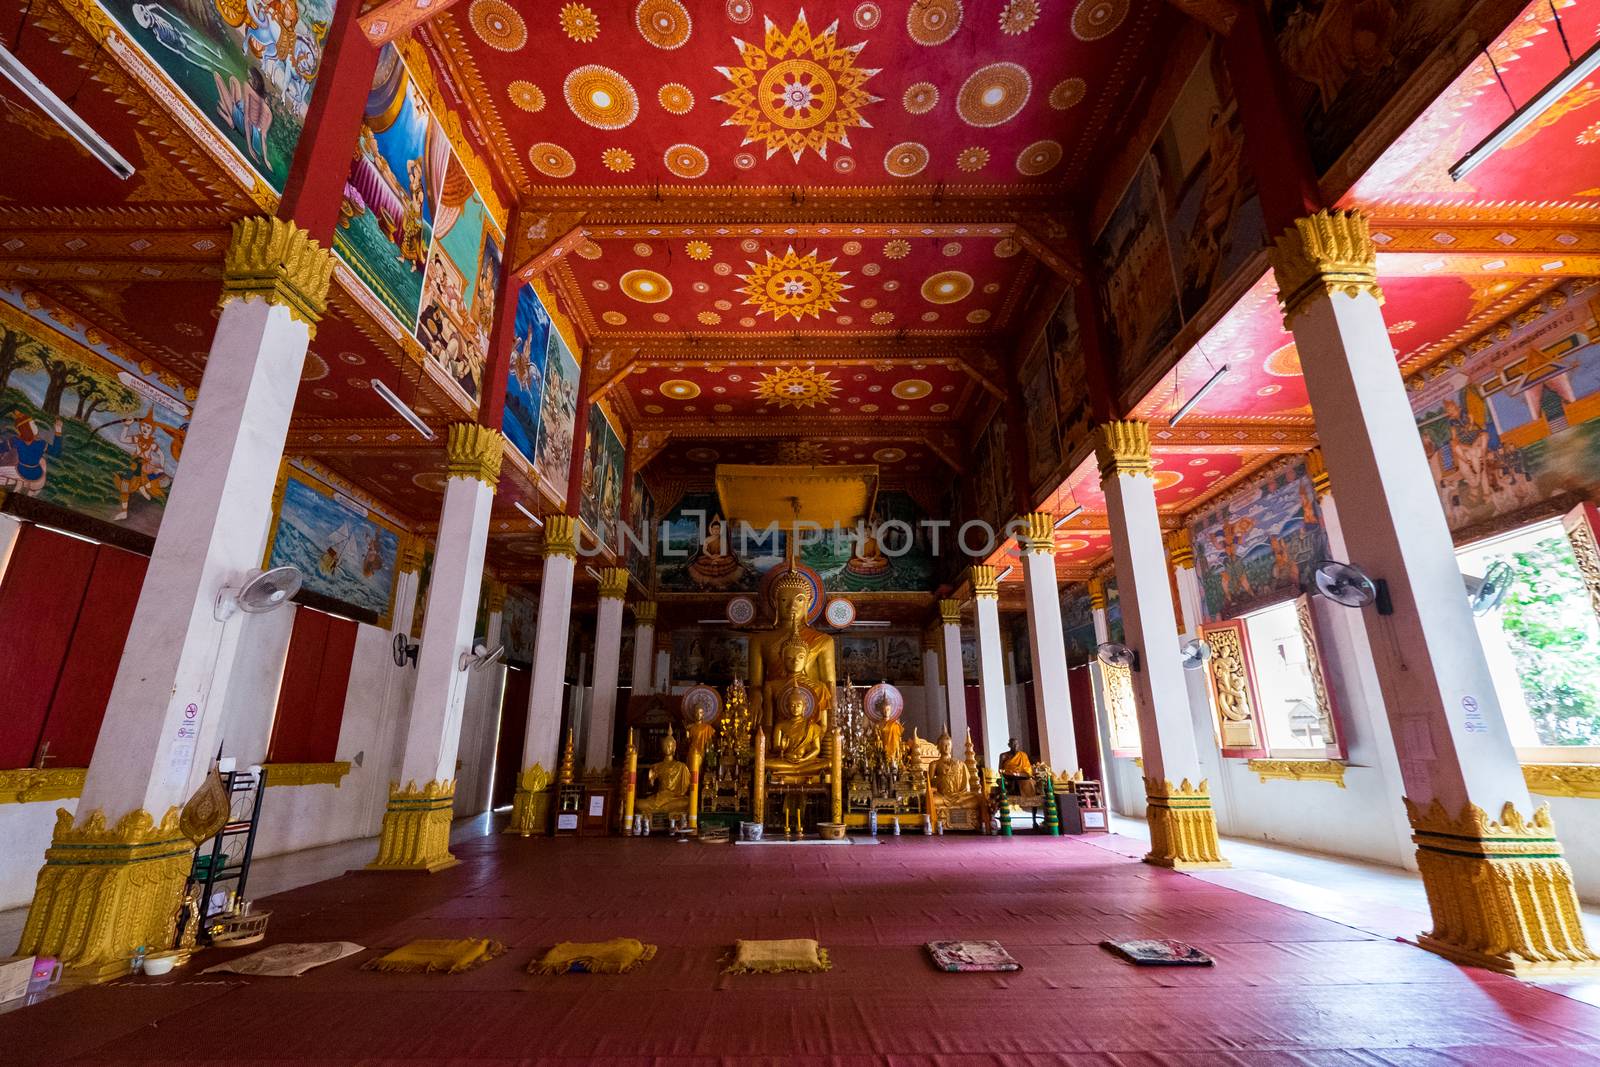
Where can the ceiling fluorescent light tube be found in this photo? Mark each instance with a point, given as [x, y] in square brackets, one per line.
[1200, 394]
[1068, 517]
[382, 389]
[62, 115]
[1529, 113]
[537, 521]
[1003, 575]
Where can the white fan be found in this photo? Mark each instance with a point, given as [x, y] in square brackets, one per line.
[1196, 651]
[1343, 583]
[405, 649]
[1487, 593]
[1118, 655]
[481, 656]
[262, 591]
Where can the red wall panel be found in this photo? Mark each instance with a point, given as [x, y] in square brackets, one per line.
[40, 598]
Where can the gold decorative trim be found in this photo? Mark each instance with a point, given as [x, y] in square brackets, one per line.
[950, 612]
[1123, 447]
[306, 773]
[558, 537]
[613, 583]
[984, 582]
[1323, 254]
[1319, 681]
[106, 890]
[1038, 533]
[280, 263]
[1579, 524]
[644, 613]
[495, 598]
[1183, 826]
[474, 451]
[1563, 779]
[416, 828]
[1180, 549]
[409, 559]
[1501, 893]
[1317, 468]
[28, 785]
[1097, 594]
[530, 805]
[1299, 770]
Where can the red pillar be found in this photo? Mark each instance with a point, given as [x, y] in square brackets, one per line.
[492, 401]
[315, 187]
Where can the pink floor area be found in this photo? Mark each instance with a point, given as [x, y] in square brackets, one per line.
[1287, 987]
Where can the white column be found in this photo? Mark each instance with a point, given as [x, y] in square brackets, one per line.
[955, 677]
[1191, 615]
[607, 660]
[1182, 824]
[1097, 610]
[416, 824]
[933, 705]
[991, 670]
[163, 718]
[644, 647]
[1047, 646]
[663, 683]
[480, 719]
[541, 749]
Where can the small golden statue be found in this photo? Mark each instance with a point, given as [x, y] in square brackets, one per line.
[671, 778]
[699, 732]
[952, 783]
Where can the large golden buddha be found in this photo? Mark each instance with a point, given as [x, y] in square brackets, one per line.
[792, 650]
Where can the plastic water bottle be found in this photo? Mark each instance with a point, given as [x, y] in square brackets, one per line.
[872, 822]
[138, 959]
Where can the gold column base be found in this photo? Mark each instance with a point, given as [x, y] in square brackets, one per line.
[1183, 827]
[416, 828]
[530, 806]
[105, 891]
[1500, 892]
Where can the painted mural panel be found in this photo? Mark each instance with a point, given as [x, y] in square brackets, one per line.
[902, 659]
[1077, 623]
[861, 659]
[1256, 546]
[391, 196]
[641, 519]
[713, 658]
[1039, 401]
[697, 551]
[247, 66]
[1213, 216]
[518, 622]
[463, 275]
[344, 550]
[989, 478]
[81, 427]
[1514, 424]
[558, 409]
[1065, 342]
[604, 466]
[1348, 58]
[1138, 294]
[525, 373]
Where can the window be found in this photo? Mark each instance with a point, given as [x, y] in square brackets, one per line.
[1542, 643]
[1288, 697]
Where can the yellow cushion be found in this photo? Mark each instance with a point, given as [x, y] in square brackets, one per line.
[617, 956]
[771, 957]
[451, 957]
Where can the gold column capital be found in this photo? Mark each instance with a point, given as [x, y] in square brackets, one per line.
[1038, 533]
[279, 262]
[613, 583]
[1317, 468]
[984, 582]
[474, 451]
[1322, 254]
[644, 613]
[559, 536]
[1123, 447]
[932, 639]
[1180, 549]
[495, 600]
[1097, 594]
[409, 558]
[950, 612]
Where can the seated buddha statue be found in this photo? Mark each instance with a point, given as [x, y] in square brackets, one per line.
[791, 601]
[793, 652]
[796, 745]
[950, 782]
[671, 778]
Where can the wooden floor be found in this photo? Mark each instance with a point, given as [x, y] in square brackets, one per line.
[1288, 987]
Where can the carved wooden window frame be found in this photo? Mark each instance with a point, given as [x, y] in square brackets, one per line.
[1241, 735]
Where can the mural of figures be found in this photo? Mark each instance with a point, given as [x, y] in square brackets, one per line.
[1039, 401]
[247, 65]
[1254, 547]
[525, 373]
[991, 475]
[712, 658]
[861, 660]
[1115, 631]
[698, 551]
[517, 625]
[604, 464]
[1138, 294]
[557, 413]
[641, 519]
[463, 275]
[1065, 343]
[1213, 217]
[1347, 58]
[343, 550]
[969, 660]
[893, 552]
[1513, 425]
[391, 196]
[1077, 623]
[81, 427]
[902, 659]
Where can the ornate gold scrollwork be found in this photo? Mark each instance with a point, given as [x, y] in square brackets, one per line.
[1326, 253]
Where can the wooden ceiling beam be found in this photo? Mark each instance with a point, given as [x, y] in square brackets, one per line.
[388, 20]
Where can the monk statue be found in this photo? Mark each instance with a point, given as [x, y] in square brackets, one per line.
[1017, 769]
[890, 732]
[792, 649]
[671, 779]
[950, 782]
[698, 733]
[796, 746]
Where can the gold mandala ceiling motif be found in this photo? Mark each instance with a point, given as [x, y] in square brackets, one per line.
[798, 91]
[796, 387]
[794, 284]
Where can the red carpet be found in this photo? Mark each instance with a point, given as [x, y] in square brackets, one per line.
[1287, 987]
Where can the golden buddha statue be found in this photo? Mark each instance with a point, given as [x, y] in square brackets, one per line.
[951, 783]
[671, 778]
[699, 732]
[792, 649]
[890, 733]
[796, 746]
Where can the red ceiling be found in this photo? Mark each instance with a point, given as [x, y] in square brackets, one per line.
[709, 391]
[927, 285]
[575, 85]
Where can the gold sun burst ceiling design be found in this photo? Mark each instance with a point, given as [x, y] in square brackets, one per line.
[796, 387]
[794, 284]
[798, 91]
